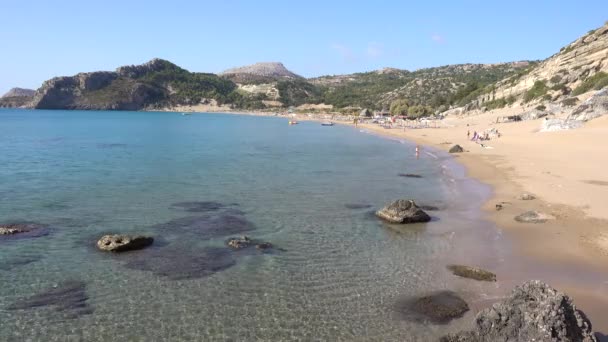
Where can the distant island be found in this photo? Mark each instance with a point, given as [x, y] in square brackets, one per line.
[161, 85]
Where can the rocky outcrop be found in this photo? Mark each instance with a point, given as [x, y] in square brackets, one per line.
[403, 211]
[19, 92]
[23, 229]
[17, 98]
[595, 106]
[239, 243]
[264, 69]
[534, 312]
[553, 125]
[533, 217]
[456, 149]
[472, 272]
[527, 197]
[122, 243]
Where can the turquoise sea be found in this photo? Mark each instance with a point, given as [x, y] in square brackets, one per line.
[335, 274]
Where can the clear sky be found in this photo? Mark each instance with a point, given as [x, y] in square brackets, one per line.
[42, 39]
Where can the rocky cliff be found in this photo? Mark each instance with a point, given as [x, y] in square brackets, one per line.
[262, 72]
[157, 83]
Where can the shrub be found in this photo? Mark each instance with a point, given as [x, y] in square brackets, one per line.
[597, 81]
[555, 79]
[541, 107]
[538, 89]
[569, 102]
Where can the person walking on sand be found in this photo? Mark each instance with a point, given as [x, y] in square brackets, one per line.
[468, 134]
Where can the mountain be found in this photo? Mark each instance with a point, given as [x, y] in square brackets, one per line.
[155, 84]
[18, 92]
[16, 98]
[259, 73]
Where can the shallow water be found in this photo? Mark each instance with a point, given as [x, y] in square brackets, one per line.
[305, 188]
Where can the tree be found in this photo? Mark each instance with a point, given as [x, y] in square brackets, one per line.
[399, 107]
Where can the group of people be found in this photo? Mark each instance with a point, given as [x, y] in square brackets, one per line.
[480, 137]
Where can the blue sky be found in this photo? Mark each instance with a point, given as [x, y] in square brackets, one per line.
[42, 39]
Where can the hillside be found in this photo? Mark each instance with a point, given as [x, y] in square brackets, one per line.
[16, 98]
[155, 84]
[577, 68]
[428, 89]
[18, 92]
[259, 73]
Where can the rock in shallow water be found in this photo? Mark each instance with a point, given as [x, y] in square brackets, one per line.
[439, 307]
[472, 272]
[239, 243]
[534, 312]
[198, 206]
[15, 261]
[23, 229]
[209, 226]
[68, 297]
[357, 206]
[182, 262]
[123, 243]
[403, 211]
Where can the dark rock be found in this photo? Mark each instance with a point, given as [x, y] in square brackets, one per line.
[209, 226]
[472, 273]
[239, 243]
[198, 206]
[123, 243]
[357, 206]
[22, 229]
[429, 207]
[534, 312]
[182, 262]
[410, 175]
[526, 197]
[533, 217]
[456, 149]
[264, 246]
[439, 308]
[403, 211]
[68, 297]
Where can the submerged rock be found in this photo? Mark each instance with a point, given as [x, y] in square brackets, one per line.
[472, 272]
[68, 297]
[410, 175]
[439, 308]
[239, 243]
[456, 149]
[357, 206]
[198, 206]
[403, 211]
[15, 261]
[23, 229]
[182, 262]
[264, 246]
[209, 226]
[533, 217]
[534, 312]
[123, 243]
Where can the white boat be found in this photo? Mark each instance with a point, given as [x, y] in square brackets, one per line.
[186, 113]
[327, 123]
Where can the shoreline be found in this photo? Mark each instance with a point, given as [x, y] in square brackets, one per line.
[563, 252]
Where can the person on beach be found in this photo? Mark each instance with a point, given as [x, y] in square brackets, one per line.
[468, 134]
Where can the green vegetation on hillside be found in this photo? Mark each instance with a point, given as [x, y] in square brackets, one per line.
[597, 82]
[538, 89]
